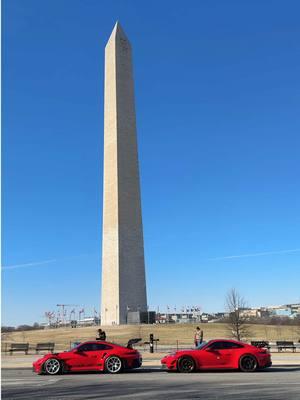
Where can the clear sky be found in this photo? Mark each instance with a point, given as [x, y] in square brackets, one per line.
[217, 99]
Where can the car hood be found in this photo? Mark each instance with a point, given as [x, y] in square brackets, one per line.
[181, 352]
[46, 356]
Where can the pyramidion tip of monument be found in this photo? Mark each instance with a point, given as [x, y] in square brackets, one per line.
[117, 32]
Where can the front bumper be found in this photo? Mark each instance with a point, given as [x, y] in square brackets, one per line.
[169, 363]
[37, 368]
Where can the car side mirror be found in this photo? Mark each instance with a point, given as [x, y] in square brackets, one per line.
[209, 349]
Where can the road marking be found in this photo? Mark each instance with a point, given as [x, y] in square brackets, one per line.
[26, 381]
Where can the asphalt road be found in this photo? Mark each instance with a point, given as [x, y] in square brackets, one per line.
[276, 383]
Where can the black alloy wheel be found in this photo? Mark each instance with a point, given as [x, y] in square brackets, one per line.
[248, 363]
[186, 365]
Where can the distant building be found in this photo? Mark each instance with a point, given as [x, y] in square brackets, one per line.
[181, 318]
[141, 317]
[286, 310]
[88, 321]
[250, 313]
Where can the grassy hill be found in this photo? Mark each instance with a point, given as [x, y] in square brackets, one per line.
[168, 334]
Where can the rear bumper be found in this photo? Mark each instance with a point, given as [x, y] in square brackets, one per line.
[265, 362]
[133, 363]
[137, 363]
[269, 364]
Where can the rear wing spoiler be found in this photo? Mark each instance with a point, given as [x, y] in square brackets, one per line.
[133, 341]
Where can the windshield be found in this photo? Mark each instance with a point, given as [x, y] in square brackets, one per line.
[74, 345]
[201, 345]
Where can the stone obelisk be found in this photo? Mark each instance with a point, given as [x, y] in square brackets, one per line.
[123, 265]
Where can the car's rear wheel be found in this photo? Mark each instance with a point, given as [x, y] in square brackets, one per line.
[52, 366]
[113, 365]
[186, 365]
[248, 363]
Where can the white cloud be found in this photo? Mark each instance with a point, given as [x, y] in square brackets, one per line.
[31, 264]
[266, 253]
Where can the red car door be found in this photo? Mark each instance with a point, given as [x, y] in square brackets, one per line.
[79, 359]
[97, 355]
[213, 356]
[220, 354]
[207, 359]
[225, 358]
[87, 356]
[229, 354]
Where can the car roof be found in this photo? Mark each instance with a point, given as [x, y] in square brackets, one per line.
[226, 340]
[101, 342]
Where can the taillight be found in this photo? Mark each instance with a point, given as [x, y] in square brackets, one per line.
[131, 353]
[263, 351]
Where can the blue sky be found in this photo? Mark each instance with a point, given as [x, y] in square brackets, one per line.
[217, 98]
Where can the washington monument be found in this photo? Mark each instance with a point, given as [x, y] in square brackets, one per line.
[123, 265]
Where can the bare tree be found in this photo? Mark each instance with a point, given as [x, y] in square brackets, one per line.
[237, 321]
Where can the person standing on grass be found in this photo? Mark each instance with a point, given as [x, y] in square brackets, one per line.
[198, 337]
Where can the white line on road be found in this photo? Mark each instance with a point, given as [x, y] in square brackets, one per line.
[26, 381]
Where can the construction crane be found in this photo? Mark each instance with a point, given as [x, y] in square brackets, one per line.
[63, 311]
[50, 316]
[80, 314]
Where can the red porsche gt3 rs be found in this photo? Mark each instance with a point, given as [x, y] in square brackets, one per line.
[90, 356]
[218, 354]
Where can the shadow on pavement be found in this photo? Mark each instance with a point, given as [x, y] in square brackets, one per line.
[281, 368]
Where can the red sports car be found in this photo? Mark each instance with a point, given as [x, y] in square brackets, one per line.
[90, 356]
[218, 354]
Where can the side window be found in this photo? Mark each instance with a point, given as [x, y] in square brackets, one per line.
[233, 345]
[98, 346]
[94, 347]
[217, 346]
[224, 346]
[86, 347]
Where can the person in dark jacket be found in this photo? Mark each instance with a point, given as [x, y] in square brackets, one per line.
[101, 335]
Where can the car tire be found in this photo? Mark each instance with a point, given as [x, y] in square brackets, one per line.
[248, 363]
[186, 365]
[52, 366]
[113, 365]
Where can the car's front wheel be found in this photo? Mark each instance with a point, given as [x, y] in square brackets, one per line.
[113, 365]
[52, 366]
[186, 365]
[248, 363]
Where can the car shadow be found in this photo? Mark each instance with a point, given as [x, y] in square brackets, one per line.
[281, 368]
[126, 371]
[274, 369]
